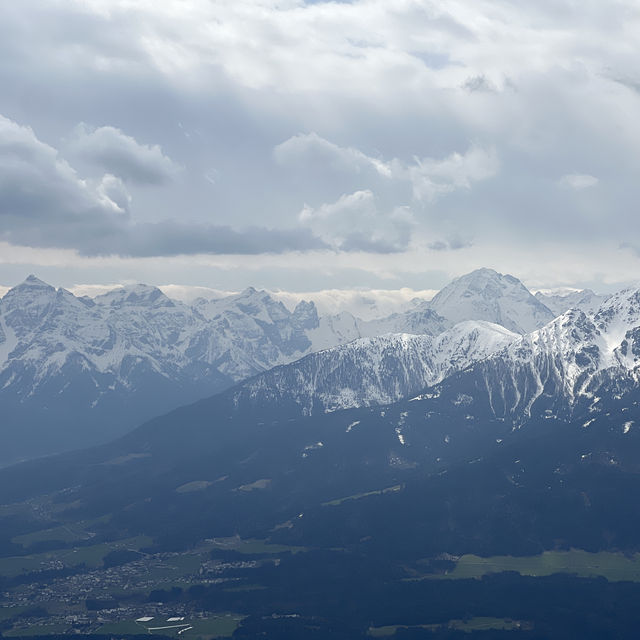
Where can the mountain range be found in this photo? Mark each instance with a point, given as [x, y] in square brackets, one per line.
[76, 371]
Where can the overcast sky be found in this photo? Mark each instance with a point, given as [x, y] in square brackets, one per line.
[319, 145]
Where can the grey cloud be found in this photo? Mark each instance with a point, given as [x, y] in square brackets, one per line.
[44, 203]
[479, 83]
[36, 183]
[169, 238]
[112, 150]
[451, 244]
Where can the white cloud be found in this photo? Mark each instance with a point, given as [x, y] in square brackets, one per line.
[122, 155]
[314, 149]
[433, 178]
[429, 177]
[578, 181]
[355, 223]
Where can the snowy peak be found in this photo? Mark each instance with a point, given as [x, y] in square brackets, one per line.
[258, 304]
[27, 305]
[32, 281]
[29, 290]
[138, 295]
[487, 295]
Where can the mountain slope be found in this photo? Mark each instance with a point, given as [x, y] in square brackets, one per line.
[372, 370]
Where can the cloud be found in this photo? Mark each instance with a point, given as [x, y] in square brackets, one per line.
[354, 223]
[111, 150]
[428, 177]
[45, 203]
[170, 238]
[434, 178]
[450, 244]
[479, 83]
[578, 181]
[42, 198]
[368, 304]
[469, 114]
[382, 215]
[314, 150]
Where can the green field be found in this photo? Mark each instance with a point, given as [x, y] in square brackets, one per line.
[44, 630]
[614, 567]
[253, 546]
[91, 556]
[6, 613]
[63, 533]
[473, 624]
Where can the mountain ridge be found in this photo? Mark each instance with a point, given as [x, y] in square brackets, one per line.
[112, 353]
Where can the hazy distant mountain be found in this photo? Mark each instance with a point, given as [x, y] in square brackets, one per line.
[585, 300]
[74, 371]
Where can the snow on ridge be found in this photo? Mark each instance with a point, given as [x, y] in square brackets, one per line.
[376, 370]
[569, 359]
[251, 332]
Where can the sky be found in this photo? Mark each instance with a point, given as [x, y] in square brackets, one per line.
[306, 146]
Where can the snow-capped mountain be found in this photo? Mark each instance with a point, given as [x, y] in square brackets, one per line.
[559, 302]
[76, 370]
[568, 366]
[371, 371]
[485, 294]
[250, 332]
